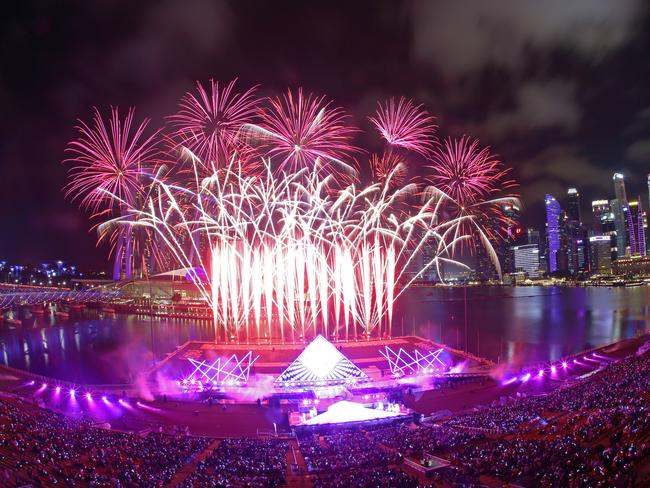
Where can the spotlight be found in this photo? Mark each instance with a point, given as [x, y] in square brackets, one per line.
[185, 381]
[541, 372]
[565, 365]
[192, 382]
[553, 369]
[72, 392]
[44, 385]
[58, 389]
[575, 361]
[89, 396]
[104, 399]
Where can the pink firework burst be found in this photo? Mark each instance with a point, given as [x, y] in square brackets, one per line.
[404, 124]
[388, 167]
[474, 182]
[468, 173]
[109, 159]
[301, 131]
[209, 121]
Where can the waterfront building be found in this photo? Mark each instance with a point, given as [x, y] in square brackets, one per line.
[632, 265]
[552, 231]
[526, 257]
[600, 254]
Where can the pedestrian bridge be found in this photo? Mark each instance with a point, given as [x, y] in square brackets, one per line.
[33, 296]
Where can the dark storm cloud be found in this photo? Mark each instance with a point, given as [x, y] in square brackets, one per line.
[463, 36]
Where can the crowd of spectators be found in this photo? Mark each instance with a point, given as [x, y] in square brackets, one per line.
[590, 431]
[593, 431]
[243, 462]
[41, 447]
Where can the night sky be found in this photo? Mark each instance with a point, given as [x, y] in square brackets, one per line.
[559, 89]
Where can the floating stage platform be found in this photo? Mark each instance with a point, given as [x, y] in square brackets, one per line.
[318, 364]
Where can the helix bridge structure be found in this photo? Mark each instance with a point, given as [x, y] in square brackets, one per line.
[34, 296]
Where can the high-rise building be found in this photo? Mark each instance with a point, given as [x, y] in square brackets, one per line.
[598, 209]
[600, 254]
[573, 207]
[648, 190]
[533, 236]
[635, 228]
[552, 231]
[527, 259]
[619, 206]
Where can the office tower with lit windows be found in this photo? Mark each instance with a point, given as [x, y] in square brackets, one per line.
[600, 254]
[552, 231]
[573, 207]
[526, 259]
[635, 227]
[619, 208]
[598, 209]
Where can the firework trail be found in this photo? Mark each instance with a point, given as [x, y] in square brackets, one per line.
[209, 122]
[406, 125]
[265, 200]
[470, 179]
[303, 131]
[389, 167]
[109, 160]
[288, 259]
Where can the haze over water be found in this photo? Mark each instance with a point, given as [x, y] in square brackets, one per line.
[522, 325]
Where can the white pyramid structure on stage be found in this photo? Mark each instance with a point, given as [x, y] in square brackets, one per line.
[320, 364]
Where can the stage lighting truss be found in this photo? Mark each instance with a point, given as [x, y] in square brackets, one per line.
[233, 371]
[402, 363]
[320, 364]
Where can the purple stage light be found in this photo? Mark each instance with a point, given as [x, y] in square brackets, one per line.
[104, 399]
[565, 365]
[575, 361]
[510, 381]
[44, 385]
[58, 389]
[72, 392]
[89, 396]
[541, 372]
[31, 383]
[526, 377]
[553, 369]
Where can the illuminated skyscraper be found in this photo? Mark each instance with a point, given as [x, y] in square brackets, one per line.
[599, 208]
[619, 206]
[573, 207]
[526, 259]
[600, 254]
[552, 231]
[635, 227]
